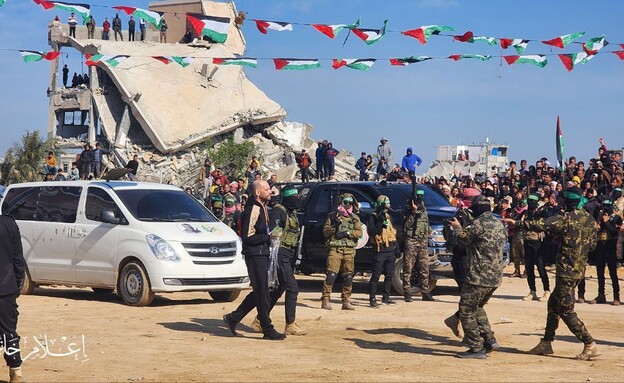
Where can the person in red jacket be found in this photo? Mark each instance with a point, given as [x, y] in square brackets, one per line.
[304, 162]
[105, 29]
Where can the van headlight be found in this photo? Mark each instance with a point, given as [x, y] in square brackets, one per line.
[437, 236]
[162, 249]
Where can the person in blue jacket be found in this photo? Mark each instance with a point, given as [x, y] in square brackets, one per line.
[320, 161]
[410, 161]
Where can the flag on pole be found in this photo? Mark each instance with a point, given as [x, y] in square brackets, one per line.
[151, 17]
[559, 141]
[83, 9]
[216, 28]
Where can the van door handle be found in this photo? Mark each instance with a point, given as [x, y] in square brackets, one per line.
[81, 233]
[310, 221]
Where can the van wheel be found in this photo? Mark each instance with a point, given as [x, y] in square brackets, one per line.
[397, 281]
[225, 296]
[100, 291]
[134, 286]
[28, 286]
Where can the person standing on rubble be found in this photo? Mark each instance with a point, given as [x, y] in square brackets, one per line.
[91, 28]
[72, 22]
[131, 26]
[142, 29]
[163, 31]
[320, 161]
[65, 75]
[330, 161]
[117, 27]
[106, 29]
[384, 150]
[86, 159]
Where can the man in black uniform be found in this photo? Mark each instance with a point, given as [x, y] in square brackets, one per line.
[256, 240]
[65, 75]
[12, 267]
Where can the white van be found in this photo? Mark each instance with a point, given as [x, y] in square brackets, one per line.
[136, 238]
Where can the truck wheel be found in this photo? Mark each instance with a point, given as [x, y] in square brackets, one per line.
[134, 286]
[28, 286]
[225, 296]
[397, 281]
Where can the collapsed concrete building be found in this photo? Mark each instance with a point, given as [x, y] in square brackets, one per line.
[169, 115]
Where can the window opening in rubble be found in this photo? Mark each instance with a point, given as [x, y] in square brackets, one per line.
[72, 123]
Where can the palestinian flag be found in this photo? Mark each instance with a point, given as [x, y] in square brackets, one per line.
[296, 64]
[359, 64]
[592, 46]
[242, 61]
[333, 30]
[519, 44]
[570, 60]
[559, 144]
[562, 41]
[82, 9]
[409, 60]
[1, 3]
[423, 33]
[478, 57]
[264, 26]
[151, 17]
[30, 56]
[183, 61]
[619, 54]
[465, 38]
[371, 36]
[216, 28]
[539, 60]
[112, 60]
[487, 40]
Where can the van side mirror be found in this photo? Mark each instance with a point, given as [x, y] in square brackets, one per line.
[108, 216]
[365, 207]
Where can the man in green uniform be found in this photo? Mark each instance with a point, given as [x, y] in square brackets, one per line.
[417, 232]
[342, 230]
[577, 230]
[484, 240]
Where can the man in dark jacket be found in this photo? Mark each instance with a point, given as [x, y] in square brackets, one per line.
[256, 239]
[361, 166]
[12, 269]
[384, 237]
[320, 165]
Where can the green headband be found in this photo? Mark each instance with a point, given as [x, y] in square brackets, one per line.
[420, 192]
[533, 197]
[571, 196]
[618, 189]
[289, 192]
[607, 202]
[347, 199]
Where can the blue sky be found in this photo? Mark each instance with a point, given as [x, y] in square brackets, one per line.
[433, 103]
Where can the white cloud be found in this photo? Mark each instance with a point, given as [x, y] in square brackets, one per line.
[439, 4]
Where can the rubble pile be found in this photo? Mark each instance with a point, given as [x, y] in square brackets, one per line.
[276, 146]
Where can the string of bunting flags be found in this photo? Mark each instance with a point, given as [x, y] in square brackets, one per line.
[364, 64]
[216, 28]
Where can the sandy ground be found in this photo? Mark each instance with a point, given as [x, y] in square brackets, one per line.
[181, 337]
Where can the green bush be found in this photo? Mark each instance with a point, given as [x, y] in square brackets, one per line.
[233, 158]
[24, 161]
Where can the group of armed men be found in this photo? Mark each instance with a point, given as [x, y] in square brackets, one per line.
[476, 236]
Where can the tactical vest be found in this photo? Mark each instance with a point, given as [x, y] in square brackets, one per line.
[387, 236]
[290, 233]
[347, 224]
[417, 226]
[228, 219]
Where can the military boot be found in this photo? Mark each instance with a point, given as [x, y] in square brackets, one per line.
[387, 300]
[15, 375]
[544, 347]
[470, 354]
[294, 329]
[426, 296]
[255, 325]
[325, 304]
[590, 352]
[599, 299]
[346, 305]
[531, 296]
[581, 298]
[408, 296]
[545, 297]
[373, 302]
[491, 345]
[453, 323]
[616, 299]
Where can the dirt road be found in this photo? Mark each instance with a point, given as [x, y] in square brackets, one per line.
[181, 337]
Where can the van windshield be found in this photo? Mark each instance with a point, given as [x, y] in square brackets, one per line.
[399, 195]
[164, 206]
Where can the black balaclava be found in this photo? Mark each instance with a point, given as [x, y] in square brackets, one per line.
[532, 202]
[617, 193]
[480, 205]
[573, 198]
[290, 198]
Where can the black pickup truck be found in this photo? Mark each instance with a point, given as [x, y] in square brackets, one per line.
[320, 198]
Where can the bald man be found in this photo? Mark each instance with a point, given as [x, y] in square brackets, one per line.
[256, 241]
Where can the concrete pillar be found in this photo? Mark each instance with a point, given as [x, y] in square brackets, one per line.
[123, 128]
[91, 131]
[52, 93]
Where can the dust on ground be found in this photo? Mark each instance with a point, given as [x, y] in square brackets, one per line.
[181, 337]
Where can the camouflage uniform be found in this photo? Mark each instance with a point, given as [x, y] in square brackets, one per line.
[417, 232]
[342, 233]
[578, 237]
[484, 240]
